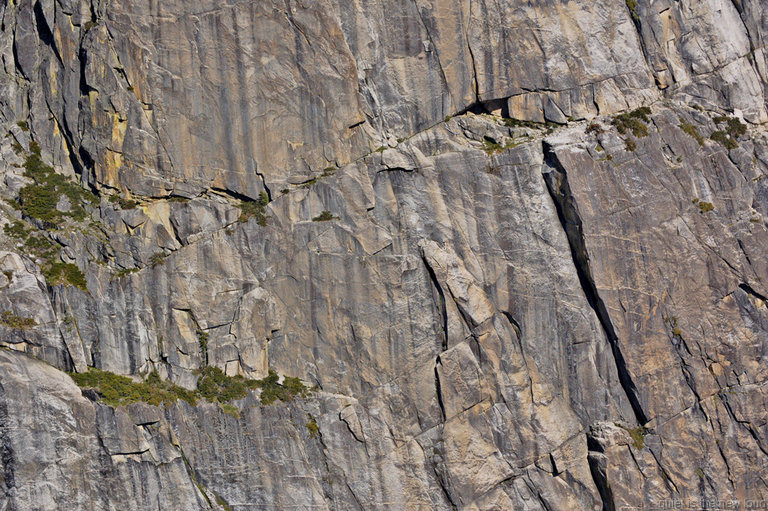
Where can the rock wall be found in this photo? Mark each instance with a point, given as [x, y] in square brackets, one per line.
[496, 314]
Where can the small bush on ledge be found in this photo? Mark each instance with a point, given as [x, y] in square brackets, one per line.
[324, 216]
[16, 322]
[213, 386]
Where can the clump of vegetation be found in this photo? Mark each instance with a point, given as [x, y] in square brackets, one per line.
[725, 140]
[157, 259]
[307, 184]
[23, 125]
[213, 385]
[447, 118]
[630, 145]
[65, 273]
[116, 390]
[46, 251]
[124, 272]
[324, 216]
[230, 409]
[594, 128]
[733, 126]
[518, 123]
[672, 322]
[704, 206]
[11, 320]
[257, 209]
[731, 130]
[637, 434]
[39, 199]
[632, 6]
[634, 121]
[272, 391]
[492, 147]
[312, 426]
[381, 149]
[691, 131]
[123, 203]
[203, 338]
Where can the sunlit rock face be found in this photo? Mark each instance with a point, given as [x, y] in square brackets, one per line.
[514, 250]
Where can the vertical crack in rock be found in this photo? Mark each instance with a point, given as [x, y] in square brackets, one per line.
[7, 457]
[44, 31]
[441, 295]
[557, 183]
[597, 461]
[438, 389]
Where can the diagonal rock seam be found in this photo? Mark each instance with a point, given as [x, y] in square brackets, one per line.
[556, 179]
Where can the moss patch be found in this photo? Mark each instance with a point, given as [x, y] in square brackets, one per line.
[637, 434]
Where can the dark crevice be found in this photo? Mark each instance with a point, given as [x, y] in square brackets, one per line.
[514, 323]
[441, 295]
[44, 31]
[82, 58]
[557, 183]
[750, 291]
[597, 467]
[16, 61]
[438, 389]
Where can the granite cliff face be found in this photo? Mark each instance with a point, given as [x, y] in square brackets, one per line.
[516, 248]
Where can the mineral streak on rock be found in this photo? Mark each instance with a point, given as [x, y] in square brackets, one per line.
[508, 255]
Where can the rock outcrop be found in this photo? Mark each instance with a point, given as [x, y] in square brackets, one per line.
[509, 286]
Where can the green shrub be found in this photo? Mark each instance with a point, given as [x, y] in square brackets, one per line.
[212, 385]
[324, 216]
[632, 6]
[724, 139]
[38, 245]
[634, 121]
[157, 259]
[257, 208]
[17, 322]
[116, 390]
[23, 125]
[39, 199]
[594, 128]
[728, 136]
[691, 130]
[312, 426]
[123, 203]
[630, 145]
[65, 273]
[272, 391]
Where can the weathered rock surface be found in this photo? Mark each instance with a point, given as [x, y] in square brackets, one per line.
[496, 316]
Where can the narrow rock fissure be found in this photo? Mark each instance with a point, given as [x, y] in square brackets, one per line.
[439, 390]
[443, 306]
[557, 183]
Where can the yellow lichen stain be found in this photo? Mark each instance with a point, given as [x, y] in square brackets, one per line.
[92, 96]
[114, 161]
[119, 126]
